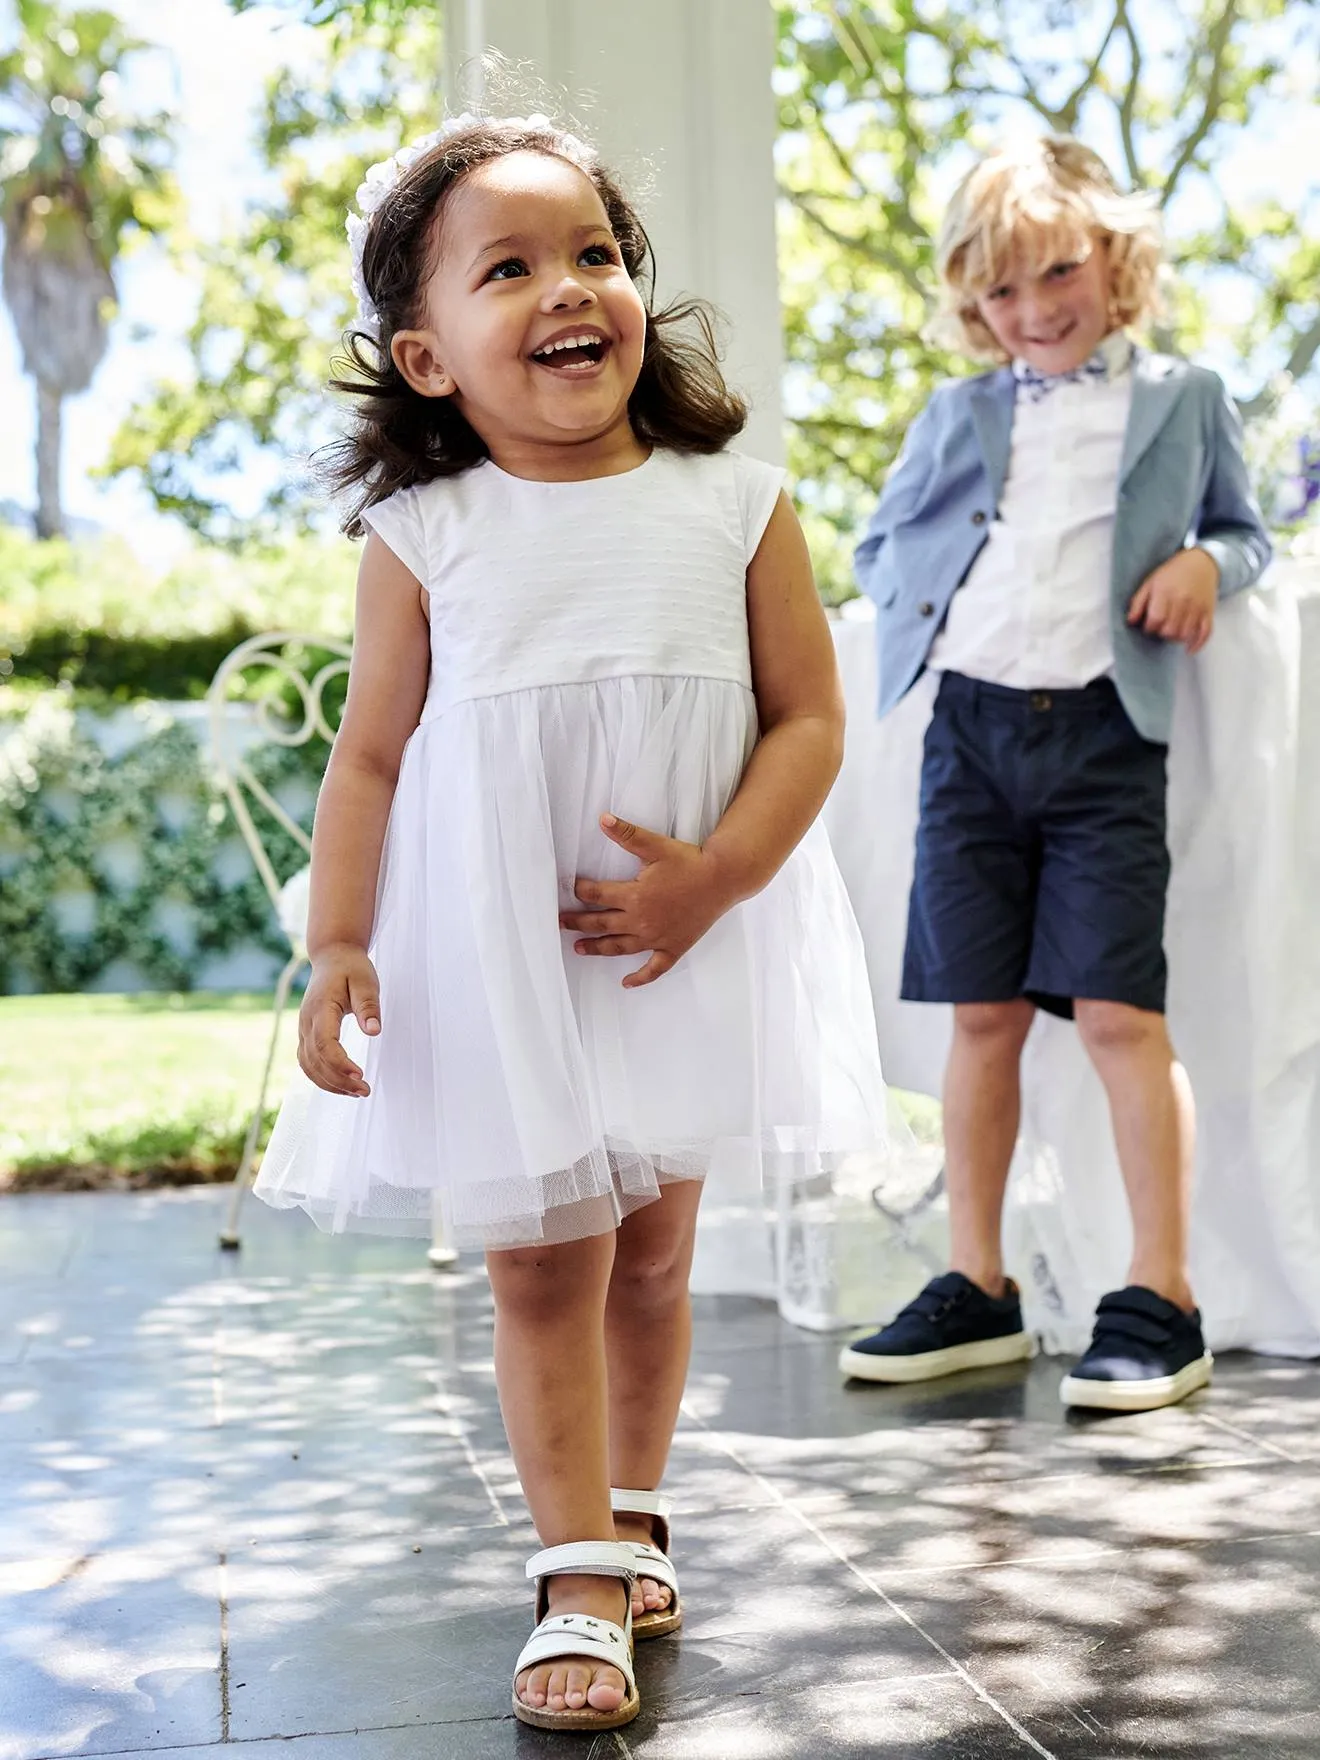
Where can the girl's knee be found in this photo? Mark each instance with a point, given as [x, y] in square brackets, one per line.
[541, 1281]
[653, 1281]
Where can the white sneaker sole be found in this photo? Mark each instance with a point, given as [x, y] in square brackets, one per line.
[1137, 1396]
[930, 1365]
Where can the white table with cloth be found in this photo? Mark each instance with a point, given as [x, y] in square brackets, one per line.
[1244, 1009]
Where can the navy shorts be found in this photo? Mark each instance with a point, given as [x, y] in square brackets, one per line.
[1042, 863]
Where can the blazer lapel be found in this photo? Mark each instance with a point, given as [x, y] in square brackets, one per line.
[992, 417]
[1156, 387]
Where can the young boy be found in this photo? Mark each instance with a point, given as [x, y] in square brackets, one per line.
[1052, 532]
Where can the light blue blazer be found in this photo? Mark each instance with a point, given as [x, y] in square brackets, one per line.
[1182, 480]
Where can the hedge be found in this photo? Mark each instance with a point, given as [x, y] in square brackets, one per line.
[91, 615]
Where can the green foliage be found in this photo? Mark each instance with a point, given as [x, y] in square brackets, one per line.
[65, 805]
[69, 153]
[275, 298]
[89, 615]
[881, 109]
[130, 1090]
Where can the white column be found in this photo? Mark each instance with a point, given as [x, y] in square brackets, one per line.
[677, 96]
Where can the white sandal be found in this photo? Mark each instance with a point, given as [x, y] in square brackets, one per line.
[652, 1561]
[578, 1635]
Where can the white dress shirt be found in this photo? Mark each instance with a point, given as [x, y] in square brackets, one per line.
[1034, 611]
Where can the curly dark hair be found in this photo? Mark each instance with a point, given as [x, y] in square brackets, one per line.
[398, 437]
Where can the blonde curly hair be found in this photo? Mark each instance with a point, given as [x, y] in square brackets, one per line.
[1045, 202]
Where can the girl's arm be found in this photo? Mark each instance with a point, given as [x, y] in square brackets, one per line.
[683, 888]
[799, 700]
[386, 688]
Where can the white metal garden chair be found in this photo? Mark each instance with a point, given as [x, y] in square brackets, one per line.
[233, 740]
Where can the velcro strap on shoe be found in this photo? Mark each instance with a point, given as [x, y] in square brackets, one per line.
[584, 1558]
[653, 1563]
[563, 1635]
[641, 1503]
[1132, 1318]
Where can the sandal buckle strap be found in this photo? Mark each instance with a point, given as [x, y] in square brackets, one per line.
[641, 1503]
[584, 1558]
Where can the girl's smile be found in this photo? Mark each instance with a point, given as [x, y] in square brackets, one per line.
[578, 349]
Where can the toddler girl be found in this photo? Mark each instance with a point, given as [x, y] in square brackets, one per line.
[570, 908]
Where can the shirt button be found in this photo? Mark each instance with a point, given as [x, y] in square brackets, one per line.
[926, 608]
[978, 518]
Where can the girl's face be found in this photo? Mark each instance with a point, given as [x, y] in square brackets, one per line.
[531, 320]
[1053, 318]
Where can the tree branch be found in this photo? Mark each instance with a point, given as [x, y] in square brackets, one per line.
[1218, 44]
[864, 247]
[862, 65]
[1071, 105]
[1304, 350]
[1127, 108]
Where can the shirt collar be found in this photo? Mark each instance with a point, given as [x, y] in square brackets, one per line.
[1111, 359]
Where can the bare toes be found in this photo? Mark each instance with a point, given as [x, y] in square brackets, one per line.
[607, 1691]
[530, 1687]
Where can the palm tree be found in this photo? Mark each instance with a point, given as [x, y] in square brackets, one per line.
[78, 176]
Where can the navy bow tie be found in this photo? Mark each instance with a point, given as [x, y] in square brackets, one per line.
[1037, 385]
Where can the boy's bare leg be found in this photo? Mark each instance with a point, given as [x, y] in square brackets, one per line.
[648, 1338]
[982, 1109]
[550, 1371]
[1150, 1102]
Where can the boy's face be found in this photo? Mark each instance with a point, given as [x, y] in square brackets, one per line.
[1054, 317]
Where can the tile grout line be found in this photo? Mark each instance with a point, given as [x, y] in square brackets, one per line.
[864, 1577]
[223, 1575]
[445, 1399]
[1274, 1448]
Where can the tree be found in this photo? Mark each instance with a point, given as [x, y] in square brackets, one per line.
[78, 177]
[881, 108]
[275, 298]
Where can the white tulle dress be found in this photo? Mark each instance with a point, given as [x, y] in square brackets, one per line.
[589, 653]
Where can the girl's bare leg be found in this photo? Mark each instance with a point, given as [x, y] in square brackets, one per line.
[648, 1339]
[550, 1370]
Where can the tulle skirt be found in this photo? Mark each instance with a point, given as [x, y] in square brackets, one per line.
[519, 1080]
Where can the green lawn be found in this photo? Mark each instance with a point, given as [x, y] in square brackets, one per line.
[97, 1089]
[130, 1086]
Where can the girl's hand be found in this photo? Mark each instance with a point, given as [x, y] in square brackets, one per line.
[1177, 602]
[343, 982]
[664, 911]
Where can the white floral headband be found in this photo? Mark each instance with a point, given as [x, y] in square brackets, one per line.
[382, 178]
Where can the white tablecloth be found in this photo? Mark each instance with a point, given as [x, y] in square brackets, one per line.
[1244, 1009]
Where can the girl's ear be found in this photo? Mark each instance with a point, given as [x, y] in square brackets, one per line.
[413, 353]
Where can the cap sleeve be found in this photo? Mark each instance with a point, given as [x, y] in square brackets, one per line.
[758, 485]
[398, 520]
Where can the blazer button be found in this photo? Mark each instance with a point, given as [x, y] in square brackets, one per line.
[926, 609]
[978, 518]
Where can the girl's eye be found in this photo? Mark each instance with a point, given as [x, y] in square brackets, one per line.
[1060, 271]
[998, 293]
[509, 270]
[598, 256]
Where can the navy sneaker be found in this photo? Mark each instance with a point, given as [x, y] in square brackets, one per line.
[953, 1324]
[1144, 1353]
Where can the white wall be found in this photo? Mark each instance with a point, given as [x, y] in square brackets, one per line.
[677, 92]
